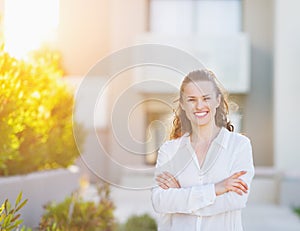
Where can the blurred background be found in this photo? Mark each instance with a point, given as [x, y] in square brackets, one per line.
[251, 45]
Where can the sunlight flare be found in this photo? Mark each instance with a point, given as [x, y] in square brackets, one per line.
[29, 24]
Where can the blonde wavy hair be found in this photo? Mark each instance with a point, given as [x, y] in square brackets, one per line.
[181, 124]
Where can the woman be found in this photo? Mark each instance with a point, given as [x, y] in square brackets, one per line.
[203, 173]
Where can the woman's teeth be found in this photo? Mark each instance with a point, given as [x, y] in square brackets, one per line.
[201, 114]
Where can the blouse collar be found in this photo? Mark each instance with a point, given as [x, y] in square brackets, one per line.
[221, 141]
[222, 138]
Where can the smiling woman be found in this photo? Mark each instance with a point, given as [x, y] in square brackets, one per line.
[204, 172]
[29, 24]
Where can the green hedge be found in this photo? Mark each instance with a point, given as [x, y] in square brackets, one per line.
[35, 114]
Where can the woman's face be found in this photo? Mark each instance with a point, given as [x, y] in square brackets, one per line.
[200, 101]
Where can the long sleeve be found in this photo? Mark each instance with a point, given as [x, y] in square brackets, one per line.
[232, 201]
[180, 200]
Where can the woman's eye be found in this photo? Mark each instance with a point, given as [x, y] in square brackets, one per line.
[191, 100]
[207, 98]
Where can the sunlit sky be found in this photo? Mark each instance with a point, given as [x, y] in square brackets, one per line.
[28, 24]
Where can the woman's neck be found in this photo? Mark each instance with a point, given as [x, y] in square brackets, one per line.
[204, 133]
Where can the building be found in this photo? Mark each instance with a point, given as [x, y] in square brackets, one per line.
[88, 31]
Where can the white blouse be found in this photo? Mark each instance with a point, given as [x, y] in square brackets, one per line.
[195, 206]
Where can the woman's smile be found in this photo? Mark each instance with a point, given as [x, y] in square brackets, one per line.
[201, 114]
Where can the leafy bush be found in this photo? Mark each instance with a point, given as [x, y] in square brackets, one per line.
[9, 218]
[138, 223]
[35, 114]
[297, 211]
[75, 214]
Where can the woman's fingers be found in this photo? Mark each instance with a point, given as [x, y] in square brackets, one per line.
[243, 184]
[239, 187]
[163, 178]
[160, 178]
[161, 182]
[172, 179]
[232, 183]
[163, 186]
[238, 174]
[166, 180]
[238, 191]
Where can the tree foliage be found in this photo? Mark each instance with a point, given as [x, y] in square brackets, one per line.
[35, 114]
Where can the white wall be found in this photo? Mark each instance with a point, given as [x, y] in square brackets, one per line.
[127, 19]
[83, 34]
[286, 85]
[257, 108]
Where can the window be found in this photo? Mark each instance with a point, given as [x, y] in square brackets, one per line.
[187, 17]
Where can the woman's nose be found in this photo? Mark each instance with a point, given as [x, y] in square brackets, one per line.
[199, 103]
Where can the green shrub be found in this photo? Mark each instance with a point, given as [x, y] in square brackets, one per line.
[35, 114]
[75, 214]
[139, 223]
[9, 216]
[297, 211]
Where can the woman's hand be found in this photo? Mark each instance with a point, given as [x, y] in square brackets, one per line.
[233, 184]
[166, 180]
